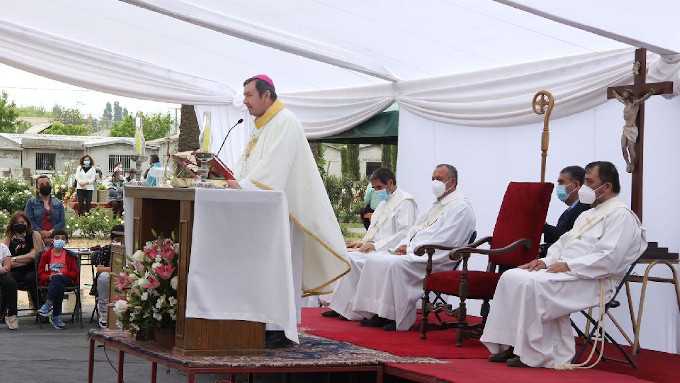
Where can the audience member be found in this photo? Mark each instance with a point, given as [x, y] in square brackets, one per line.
[23, 243]
[57, 270]
[115, 197]
[9, 289]
[131, 175]
[569, 182]
[102, 260]
[155, 163]
[85, 177]
[44, 210]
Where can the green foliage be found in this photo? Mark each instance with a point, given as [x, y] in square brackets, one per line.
[22, 126]
[69, 129]
[60, 184]
[14, 194]
[346, 196]
[155, 126]
[4, 220]
[96, 224]
[389, 157]
[34, 111]
[117, 112]
[67, 116]
[353, 166]
[8, 115]
[318, 150]
[108, 112]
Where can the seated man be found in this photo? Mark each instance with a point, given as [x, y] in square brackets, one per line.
[529, 319]
[102, 260]
[390, 222]
[391, 282]
[568, 184]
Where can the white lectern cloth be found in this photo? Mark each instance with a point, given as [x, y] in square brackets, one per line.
[241, 259]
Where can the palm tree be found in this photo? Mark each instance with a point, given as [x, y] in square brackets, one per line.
[188, 130]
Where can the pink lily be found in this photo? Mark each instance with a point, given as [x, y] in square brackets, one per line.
[165, 271]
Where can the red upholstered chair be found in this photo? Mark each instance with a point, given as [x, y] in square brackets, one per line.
[515, 241]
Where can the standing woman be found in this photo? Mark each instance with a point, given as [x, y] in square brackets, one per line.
[23, 243]
[85, 176]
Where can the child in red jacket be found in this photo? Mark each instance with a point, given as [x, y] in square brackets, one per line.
[57, 270]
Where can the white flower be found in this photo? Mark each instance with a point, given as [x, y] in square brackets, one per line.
[142, 282]
[139, 256]
[156, 264]
[173, 282]
[145, 295]
[172, 301]
[120, 307]
[157, 316]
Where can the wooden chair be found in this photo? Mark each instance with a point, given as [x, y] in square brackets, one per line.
[514, 242]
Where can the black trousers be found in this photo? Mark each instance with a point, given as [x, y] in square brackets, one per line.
[9, 294]
[84, 201]
[364, 210]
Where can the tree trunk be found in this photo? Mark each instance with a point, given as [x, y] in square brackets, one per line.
[188, 130]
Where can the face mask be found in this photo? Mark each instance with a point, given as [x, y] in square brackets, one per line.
[59, 243]
[45, 190]
[382, 194]
[19, 227]
[587, 195]
[438, 188]
[562, 194]
[86, 162]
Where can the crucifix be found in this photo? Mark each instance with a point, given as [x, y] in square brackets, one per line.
[632, 140]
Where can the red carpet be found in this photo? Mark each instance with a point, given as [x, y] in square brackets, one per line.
[469, 365]
[439, 344]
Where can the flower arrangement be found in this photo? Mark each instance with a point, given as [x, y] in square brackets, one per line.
[146, 289]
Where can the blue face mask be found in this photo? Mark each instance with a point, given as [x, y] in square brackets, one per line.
[382, 194]
[59, 243]
[562, 194]
[86, 162]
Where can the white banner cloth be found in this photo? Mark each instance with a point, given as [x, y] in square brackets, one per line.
[241, 264]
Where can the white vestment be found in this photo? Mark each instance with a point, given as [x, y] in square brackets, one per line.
[389, 285]
[530, 310]
[278, 157]
[390, 223]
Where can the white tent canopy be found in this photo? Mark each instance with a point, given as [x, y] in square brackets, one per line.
[462, 71]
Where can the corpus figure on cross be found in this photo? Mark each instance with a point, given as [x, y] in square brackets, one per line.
[630, 129]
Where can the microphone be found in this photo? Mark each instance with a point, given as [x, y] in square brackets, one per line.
[225, 137]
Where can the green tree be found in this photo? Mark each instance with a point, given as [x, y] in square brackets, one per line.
[117, 112]
[34, 111]
[394, 158]
[154, 126]
[318, 150]
[68, 129]
[67, 116]
[353, 166]
[386, 157]
[8, 115]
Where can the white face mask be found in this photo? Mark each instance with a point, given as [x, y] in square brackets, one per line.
[438, 188]
[587, 195]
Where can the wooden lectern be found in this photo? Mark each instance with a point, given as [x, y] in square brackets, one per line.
[167, 210]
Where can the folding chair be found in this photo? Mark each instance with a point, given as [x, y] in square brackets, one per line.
[589, 338]
[77, 312]
[95, 311]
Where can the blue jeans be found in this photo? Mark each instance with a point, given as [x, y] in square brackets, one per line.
[55, 292]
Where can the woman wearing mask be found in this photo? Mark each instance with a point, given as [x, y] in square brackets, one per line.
[45, 212]
[57, 270]
[115, 197]
[85, 176]
[23, 243]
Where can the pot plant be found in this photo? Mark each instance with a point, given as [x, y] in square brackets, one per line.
[102, 193]
[146, 292]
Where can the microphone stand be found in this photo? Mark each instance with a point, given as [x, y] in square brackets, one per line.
[225, 137]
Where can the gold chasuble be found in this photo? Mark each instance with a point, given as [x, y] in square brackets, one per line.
[278, 157]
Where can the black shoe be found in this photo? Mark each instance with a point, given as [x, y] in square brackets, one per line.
[276, 339]
[374, 321]
[515, 362]
[502, 356]
[330, 314]
[391, 326]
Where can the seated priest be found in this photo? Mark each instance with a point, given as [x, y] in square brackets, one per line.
[528, 324]
[391, 282]
[569, 182]
[390, 222]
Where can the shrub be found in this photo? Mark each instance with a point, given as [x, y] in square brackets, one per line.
[14, 194]
[347, 197]
[96, 224]
[4, 220]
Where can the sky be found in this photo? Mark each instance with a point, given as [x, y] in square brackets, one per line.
[27, 89]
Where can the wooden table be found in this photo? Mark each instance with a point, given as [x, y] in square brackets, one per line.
[149, 351]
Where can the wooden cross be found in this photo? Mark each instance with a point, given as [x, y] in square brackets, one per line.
[639, 89]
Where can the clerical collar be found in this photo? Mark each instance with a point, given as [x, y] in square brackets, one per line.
[276, 107]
